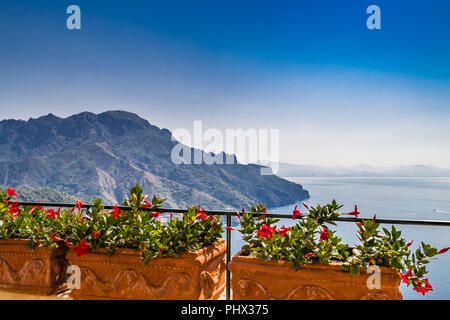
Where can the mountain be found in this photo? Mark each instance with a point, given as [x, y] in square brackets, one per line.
[295, 170]
[102, 155]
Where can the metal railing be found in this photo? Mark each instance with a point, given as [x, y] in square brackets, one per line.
[229, 214]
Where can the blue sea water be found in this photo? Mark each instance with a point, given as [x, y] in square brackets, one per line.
[399, 198]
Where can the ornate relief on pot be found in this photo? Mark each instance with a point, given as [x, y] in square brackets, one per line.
[31, 273]
[131, 284]
[250, 289]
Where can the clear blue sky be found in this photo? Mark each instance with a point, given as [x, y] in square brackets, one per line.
[338, 92]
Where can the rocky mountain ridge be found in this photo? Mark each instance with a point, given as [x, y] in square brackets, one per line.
[101, 155]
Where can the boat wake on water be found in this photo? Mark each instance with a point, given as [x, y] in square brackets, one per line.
[440, 211]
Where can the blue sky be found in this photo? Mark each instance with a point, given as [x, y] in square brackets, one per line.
[338, 92]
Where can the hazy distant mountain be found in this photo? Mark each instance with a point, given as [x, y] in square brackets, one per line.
[88, 156]
[294, 170]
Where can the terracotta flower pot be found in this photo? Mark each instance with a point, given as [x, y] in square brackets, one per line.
[192, 276]
[254, 279]
[40, 271]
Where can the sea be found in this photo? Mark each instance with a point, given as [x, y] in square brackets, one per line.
[386, 197]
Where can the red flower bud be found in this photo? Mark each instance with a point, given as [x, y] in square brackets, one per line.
[444, 250]
[305, 205]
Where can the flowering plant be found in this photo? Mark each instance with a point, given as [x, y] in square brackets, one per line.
[136, 227]
[32, 223]
[311, 241]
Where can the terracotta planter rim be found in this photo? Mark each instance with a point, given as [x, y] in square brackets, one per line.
[16, 241]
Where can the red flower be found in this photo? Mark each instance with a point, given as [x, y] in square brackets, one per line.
[355, 213]
[324, 234]
[11, 192]
[79, 204]
[305, 205]
[82, 248]
[309, 254]
[34, 208]
[230, 228]
[405, 277]
[423, 286]
[52, 213]
[96, 234]
[53, 235]
[161, 250]
[444, 250]
[296, 213]
[116, 212]
[14, 209]
[145, 204]
[155, 215]
[171, 216]
[283, 231]
[202, 215]
[409, 243]
[265, 232]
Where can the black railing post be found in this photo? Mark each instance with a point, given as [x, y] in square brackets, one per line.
[228, 280]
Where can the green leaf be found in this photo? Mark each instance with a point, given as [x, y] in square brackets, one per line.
[354, 270]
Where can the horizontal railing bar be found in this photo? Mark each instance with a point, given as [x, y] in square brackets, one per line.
[441, 223]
